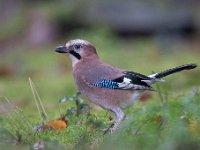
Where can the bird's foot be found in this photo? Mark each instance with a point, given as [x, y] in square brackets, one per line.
[113, 128]
[120, 116]
[109, 129]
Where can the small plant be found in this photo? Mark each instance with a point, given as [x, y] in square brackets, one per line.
[80, 106]
[59, 123]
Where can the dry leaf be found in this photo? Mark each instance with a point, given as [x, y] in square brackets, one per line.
[194, 125]
[145, 97]
[60, 123]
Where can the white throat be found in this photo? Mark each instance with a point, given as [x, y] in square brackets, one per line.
[74, 60]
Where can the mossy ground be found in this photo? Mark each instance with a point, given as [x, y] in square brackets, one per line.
[168, 122]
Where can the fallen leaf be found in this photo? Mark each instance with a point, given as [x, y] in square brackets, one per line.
[194, 125]
[60, 123]
[6, 71]
[160, 120]
[145, 97]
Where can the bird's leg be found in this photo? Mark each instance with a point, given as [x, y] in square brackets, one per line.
[120, 116]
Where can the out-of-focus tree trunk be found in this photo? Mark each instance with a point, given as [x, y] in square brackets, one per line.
[8, 8]
[40, 30]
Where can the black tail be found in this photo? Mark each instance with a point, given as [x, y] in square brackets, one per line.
[174, 70]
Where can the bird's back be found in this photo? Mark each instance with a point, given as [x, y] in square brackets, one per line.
[90, 72]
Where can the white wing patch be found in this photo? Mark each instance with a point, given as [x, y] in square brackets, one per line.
[126, 84]
[153, 79]
[152, 75]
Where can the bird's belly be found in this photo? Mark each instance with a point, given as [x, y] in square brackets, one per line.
[108, 98]
[131, 100]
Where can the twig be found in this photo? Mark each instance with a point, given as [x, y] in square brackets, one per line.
[30, 82]
[41, 104]
[42, 112]
[25, 119]
[19, 131]
[160, 93]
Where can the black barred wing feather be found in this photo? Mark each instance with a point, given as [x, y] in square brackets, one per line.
[133, 80]
[130, 80]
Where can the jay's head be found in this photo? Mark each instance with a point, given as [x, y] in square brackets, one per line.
[78, 50]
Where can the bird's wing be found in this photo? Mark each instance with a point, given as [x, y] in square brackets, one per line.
[127, 80]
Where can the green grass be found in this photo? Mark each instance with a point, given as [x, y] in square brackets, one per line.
[172, 124]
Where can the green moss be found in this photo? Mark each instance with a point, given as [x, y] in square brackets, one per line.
[151, 125]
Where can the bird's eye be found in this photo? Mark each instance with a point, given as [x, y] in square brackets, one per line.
[78, 46]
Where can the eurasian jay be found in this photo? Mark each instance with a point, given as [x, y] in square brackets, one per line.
[109, 87]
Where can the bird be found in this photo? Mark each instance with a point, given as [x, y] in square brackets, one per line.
[109, 87]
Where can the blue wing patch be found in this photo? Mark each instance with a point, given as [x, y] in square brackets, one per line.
[106, 84]
[129, 81]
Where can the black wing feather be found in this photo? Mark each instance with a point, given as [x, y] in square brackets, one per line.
[128, 81]
[136, 81]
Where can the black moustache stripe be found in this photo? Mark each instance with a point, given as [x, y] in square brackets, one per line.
[75, 54]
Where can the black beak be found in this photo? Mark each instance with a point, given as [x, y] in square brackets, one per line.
[61, 49]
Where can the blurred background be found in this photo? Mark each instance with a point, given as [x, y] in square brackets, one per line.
[144, 36]
[39, 23]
